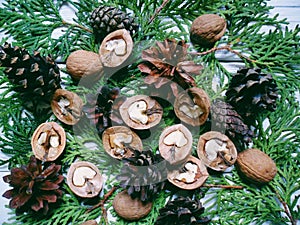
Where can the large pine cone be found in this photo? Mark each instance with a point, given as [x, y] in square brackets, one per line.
[34, 188]
[226, 120]
[143, 175]
[250, 92]
[106, 19]
[34, 76]
[182, 211]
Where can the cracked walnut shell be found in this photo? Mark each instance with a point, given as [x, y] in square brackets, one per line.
[48, 141]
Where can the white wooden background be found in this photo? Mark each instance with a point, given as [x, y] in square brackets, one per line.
[289, 9]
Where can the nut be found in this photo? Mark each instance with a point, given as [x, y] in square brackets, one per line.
[141, 112]
[116, 48]
[192, 106]
[84, 179]
[129, 208]
[48, 141]
[175, 144]
[207, 29]
[119, 140]
[256, 165]
[191, 175]
[216, 150]
[67, 106]
[82, 63]
[90, 222]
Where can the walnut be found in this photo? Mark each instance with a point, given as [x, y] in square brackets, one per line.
[175, 144]
[84, 179]
[118, 141]
[82, 63]
[129, 208]
[67, 106]
[90, 222]
[207, 29]
[48, 141]
[216, 150]
[256, 165]
[116, 48]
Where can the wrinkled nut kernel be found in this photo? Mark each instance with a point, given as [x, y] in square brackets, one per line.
[216, 150]
[207, 29]
[118, 142]
[67, 106]
[256, 165]
[129, 208]
[141, 112]
[48, 141]
[192, 106]
[116, 48]
[82, 63]
[84, 179]
[175, 144]
[190, 176]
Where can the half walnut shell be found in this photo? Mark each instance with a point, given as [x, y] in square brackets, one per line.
[67, 106]
[141, 112]
[191, 175]
[84, 179]
[118, 142]
[116, 48]
[192, 106]
[216, 150]
[48, 141]
[175, 144]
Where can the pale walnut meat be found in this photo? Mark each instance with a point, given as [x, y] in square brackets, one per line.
[191, 175]
[141, 112]
[119, 141]
[84, 179]
[129, 208]
[192, 106]
[67, 106]
[116, 48]
[48, 141]
[175, 144]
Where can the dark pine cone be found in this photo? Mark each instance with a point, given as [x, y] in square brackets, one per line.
[226, 120]
[250, 92]
[34, 188]
[143, 175]
[34, 76]
[182, 211]
[106, 19]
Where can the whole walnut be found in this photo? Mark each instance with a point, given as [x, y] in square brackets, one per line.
[207, 29]
[82, 63]
[256, 165]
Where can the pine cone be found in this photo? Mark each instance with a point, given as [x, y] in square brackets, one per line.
[250, 92]
[103, 109]
[166, 62]
[106, 19]
[34, 76]
[226, 120]
[182, 211]
[143, 175]
[34, 188]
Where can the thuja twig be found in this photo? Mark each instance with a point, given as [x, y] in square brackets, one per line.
[76, 25]
[222, 186]
[102, 202]
[157, 11]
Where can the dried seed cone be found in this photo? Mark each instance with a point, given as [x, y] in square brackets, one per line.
[251, 92]
[226, 120]
[143, 175]
[34, 76]
[256, 165]
[35, 187]
[106, 19]
[182, 210]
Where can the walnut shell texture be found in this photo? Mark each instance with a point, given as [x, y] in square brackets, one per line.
[256, 165]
